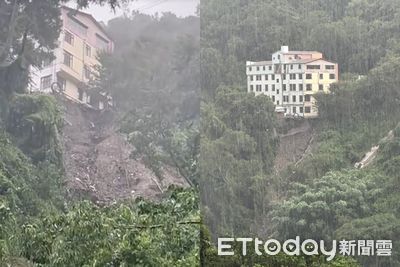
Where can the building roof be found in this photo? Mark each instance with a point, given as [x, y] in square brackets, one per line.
[98, 24]
[305, 61]
[301, 52]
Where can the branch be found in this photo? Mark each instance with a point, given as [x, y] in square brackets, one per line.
[162, 225]
[10, 36]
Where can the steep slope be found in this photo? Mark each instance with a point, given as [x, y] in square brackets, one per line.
[98, 163]
[293, 146]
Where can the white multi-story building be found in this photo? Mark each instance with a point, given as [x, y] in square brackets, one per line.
[291, 79]
[81, 40]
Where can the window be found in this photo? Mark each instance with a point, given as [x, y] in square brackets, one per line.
[307, 98]
[77, 26]
[313, 67]
[69, 38]
[102, 43]
[294, 87]
[249, 68]
[329, 67]
[332, 76]
[321, 76]
[273, 87]
[86, 71]
[277, 91]
[300, 87]
[263, 67]
[251, 77]
[277, 80]
[279, 56]
[88, 50]
[308, 87]
[301, 109]
[45, 82]
[307, 109]
[258, 77]
[300, 99]
[270, 67]
[277, 102]
[251, 88]
[294, 110]
[266, 77]
[283, 76]
[68, 59]
[321, 87]
[284, 87]
[291, 66]
[285, 98]
[258, 68]
[300, 76]
[299, 66]
[273, 98]
[273, 76]
[266, 88]
[293, 98]
[308, 76]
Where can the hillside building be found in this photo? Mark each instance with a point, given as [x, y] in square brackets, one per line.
[80, 41]
[291, 79]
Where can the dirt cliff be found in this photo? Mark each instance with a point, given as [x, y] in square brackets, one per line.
[294, 145]
[97, 160]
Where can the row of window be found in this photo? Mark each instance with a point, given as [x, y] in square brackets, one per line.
[292, 76]
[301, 110]
[291, 66]
[46, 81]
[294, 99]
[79, 27]
[69, 61]
[69, 38]
[306, 98]
[258, 68]
[292, 87]
[306, 109]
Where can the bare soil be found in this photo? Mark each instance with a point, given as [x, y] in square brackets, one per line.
[293, 146]
[97, 160]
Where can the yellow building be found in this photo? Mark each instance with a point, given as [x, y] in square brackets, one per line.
[291, 79]
[81, 39]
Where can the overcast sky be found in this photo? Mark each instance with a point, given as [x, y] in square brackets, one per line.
[181, 8]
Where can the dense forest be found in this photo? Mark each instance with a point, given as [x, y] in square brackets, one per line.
[324, 196]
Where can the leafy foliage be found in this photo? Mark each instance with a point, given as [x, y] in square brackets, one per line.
[238, 147]
[35, 121]
[139, 233]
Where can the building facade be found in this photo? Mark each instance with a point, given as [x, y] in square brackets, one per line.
[291, 79]
[80, 41]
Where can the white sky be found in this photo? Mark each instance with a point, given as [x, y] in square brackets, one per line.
[181, 8]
